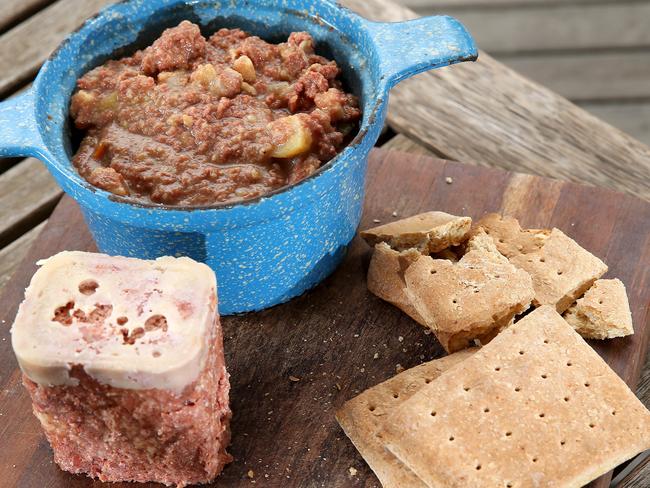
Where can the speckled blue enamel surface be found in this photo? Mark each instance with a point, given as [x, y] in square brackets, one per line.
[269, 250]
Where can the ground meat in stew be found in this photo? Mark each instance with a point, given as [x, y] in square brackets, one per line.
[194, 121]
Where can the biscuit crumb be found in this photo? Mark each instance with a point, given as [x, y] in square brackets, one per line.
[394, 214]
[400, 338]
[294, 379]
[337, 386]
[376, 356]
[353, 472]
[449, 180]
[376, 221]
[399, 368]
[250, 474]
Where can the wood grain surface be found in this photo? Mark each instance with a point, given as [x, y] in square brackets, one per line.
[606, 78]
[13, 11]
[487, 113]
[27, 45]
[589, 76]
[284, 431]
[13, 254]
[28, 193]
[474, 4]
[566, 25]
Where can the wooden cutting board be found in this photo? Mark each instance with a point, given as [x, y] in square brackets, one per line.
[284, 431]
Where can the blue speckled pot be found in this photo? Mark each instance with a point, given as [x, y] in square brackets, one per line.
[267, 250]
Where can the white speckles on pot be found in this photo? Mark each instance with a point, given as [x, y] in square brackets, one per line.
[268, 250]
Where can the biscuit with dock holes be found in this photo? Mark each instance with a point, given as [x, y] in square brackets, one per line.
[386, 277]
[427, 232]
[561, 270]
[472, 299]
[508, 235]
[537, 406]
[603, 313]
[361, 417]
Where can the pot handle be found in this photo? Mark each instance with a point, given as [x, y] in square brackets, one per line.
[19, 134]
[408, 48]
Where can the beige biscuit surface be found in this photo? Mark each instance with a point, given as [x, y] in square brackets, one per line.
[509, 237]
[428, 232]
[561, 270]
[474, 298]
[361, 417]
[386, 277]
[535, 407]
[603, 313]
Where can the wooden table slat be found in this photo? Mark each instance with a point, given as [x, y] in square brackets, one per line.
[12, 254]
[28, 193]
[633, 118]
[403, 143]
[487, 113]
[556, 27]
[25, 47]
[477, 4]
[13, 10]
[639, 477]
[589, 76]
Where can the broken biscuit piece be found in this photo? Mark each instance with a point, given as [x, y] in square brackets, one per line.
[386, 277]
[561, 270]
[603, 313]
[510, 239]
[473, 299]
[535, 407]
[361, 417]
[428, 232]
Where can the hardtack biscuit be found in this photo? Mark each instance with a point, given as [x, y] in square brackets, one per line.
[361, 417]
[603, 313]
[472, 299]
[508, 235]
[386, 277]
[561, 270]
[535, 407]
[428, 232]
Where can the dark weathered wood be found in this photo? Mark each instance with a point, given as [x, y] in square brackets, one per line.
[632, 118]
[28, 193]
[14, 10]
[486, 113]
[402, 143]
[27, 45]
[643, 388]
[639, 477]
[477, 4]
[328, 336]
[588, 76]
[566, 25]
[12, 254]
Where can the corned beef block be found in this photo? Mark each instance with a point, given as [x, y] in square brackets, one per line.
[123, 359]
